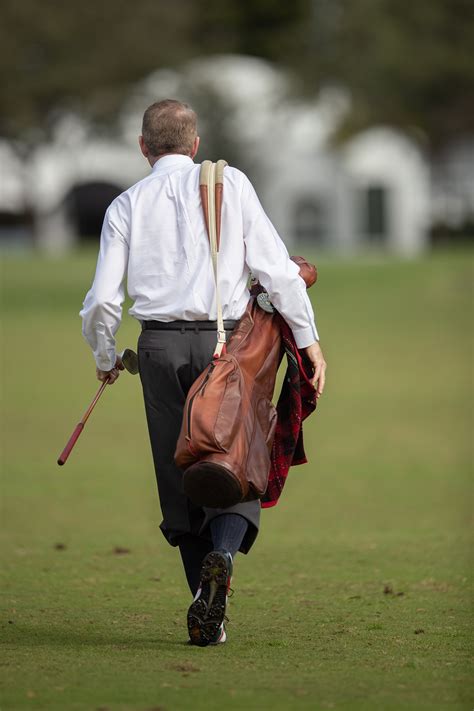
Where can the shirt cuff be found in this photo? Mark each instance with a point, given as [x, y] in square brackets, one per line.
[305, 337]
[105, 364]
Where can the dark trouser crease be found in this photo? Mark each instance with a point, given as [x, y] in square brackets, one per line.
[193, 550]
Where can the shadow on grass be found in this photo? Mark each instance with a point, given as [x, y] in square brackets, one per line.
[31, 636]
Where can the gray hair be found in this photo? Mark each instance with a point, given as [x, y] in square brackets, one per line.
[169, 126]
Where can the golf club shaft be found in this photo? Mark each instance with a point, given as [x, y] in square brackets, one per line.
[80, 426]
[99, 392]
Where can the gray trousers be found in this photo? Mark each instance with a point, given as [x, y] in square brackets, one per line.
[169, 363]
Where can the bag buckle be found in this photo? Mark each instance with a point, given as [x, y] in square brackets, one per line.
[221, 344]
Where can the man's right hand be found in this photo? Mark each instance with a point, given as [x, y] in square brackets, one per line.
[316, 357]
[110, 375]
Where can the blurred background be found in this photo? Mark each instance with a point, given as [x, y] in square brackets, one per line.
[354, 118]
[355, 121]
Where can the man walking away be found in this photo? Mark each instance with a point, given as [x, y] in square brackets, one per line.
[154, 234]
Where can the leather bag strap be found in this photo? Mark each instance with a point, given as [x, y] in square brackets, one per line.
[211, 187]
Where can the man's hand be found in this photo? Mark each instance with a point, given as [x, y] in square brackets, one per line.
[316, 357]
[110, 375]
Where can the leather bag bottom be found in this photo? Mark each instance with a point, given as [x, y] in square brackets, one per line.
[211, 485]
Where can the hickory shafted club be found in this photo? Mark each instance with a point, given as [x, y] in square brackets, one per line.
[130, 363]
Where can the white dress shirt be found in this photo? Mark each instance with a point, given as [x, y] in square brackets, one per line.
[154, 234]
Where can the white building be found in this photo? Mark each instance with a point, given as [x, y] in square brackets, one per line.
[374, 189]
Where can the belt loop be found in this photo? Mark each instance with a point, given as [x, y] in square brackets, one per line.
[196, 330]
[183, 330]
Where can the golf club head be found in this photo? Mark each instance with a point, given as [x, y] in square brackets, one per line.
[130, 361]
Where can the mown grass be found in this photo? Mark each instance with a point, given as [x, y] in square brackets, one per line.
[356, 595]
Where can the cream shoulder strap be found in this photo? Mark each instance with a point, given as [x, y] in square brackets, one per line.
[211, 186]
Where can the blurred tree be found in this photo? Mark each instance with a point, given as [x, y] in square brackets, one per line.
[83, 56]
[271, 29]
[407, 64]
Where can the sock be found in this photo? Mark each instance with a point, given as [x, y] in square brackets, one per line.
[193, 550]
[228, 531]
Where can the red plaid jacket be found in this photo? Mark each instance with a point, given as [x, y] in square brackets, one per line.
[297, 400]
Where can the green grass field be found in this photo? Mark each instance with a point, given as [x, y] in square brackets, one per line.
[357, 593]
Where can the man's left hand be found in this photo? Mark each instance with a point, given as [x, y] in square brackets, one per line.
[316, 357]
[110, 375]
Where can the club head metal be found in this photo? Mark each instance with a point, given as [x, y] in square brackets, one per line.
[130, 361]
[263, 300]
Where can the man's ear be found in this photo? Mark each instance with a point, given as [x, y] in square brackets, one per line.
[143, 147]
[195, 146]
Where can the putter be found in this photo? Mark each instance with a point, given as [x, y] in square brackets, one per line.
[130, 363]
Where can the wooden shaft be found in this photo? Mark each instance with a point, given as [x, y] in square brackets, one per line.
[99, 392]
[80, 426]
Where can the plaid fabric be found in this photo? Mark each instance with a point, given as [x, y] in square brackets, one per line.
[297, 400]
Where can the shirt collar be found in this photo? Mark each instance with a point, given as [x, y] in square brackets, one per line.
[171, 162]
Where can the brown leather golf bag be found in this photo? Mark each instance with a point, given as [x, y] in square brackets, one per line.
[229, 420]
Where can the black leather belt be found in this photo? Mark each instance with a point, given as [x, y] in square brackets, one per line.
[229, 324]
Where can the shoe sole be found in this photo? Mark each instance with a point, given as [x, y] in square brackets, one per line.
[206, 614]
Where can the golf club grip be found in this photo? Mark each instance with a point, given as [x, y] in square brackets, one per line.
[72, 441]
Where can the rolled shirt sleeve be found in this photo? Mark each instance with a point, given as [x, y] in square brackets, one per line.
[102, 309]
[269, 261]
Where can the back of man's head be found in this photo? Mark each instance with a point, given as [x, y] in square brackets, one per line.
[169, 126]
